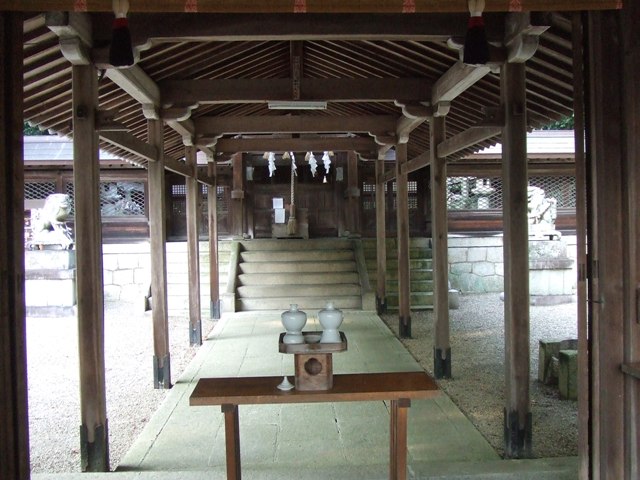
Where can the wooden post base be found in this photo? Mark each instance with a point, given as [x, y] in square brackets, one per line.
[161, 372]
[94, 456]
[517, 441]
[442, 363]
[405, 327]
[195, 334]
[214, 309]
[381, 305]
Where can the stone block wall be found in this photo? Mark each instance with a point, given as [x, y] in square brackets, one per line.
[127, 271]
[476, 263]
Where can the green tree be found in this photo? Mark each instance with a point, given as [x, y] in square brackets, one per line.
[30, 131]
[566, 123]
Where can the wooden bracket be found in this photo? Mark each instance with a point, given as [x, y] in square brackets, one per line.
[521, 37]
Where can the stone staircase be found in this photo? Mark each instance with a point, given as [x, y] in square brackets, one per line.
[272, 274]
[420, 266]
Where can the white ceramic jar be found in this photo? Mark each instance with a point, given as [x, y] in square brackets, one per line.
[330, 318]
[293, 321]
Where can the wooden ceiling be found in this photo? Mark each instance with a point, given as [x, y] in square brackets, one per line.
[201, 69]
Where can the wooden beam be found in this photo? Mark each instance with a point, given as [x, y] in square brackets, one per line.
[517, 417]
[178, 92]
[346, 6]
[455, 81]
[214, 270]
[232, 145]
[416, 163]
[471, 136]
[381, 241]
[412, 117]
[14, 417]
[209, 126]
[131, 144]
[193, 246]
[136, 83]
[158, 240]
[404, 280]
[94, 436]
[438, 178]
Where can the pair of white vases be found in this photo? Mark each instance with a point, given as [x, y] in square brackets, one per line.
[294, 321]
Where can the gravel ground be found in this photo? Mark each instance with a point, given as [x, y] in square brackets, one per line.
[54, 405]
[477, 387]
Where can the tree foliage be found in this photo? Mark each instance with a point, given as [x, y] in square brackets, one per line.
[566, 123]
[30, 131]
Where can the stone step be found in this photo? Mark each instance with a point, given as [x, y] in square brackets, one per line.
[296, 256]
[298, 278]
[417, 275]
[417, 299]
[296, 244]
[304, 303]
[307, 290]
[297, 267]
[392, 264]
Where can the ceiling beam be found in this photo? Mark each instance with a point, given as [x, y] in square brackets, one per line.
[233, 145]
[466, 139]
[211, 126]
[407, 90]
[131, 144]
[421, 161]
[140, 86]
[310, 7]
[455, 81]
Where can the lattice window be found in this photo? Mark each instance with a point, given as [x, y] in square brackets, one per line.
[223, 199]
[38, 190]
[474, 193]
[69, 190]
[178, 190]
[122, 199]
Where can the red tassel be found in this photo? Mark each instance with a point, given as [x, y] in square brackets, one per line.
[476, 47]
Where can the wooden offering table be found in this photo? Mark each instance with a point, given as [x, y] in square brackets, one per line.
[398, 387]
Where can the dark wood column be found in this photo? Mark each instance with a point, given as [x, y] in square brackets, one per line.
[14, 423]
[381, 239]
[158, 241]
[353, 194]
[442, 346]
[193, 246]
[94, 437]
[214, 270]
[402, 205]
[517, 413]
[614, 274]
[237, 196]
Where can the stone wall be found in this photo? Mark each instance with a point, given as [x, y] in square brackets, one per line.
[127, 271]
[476, 263]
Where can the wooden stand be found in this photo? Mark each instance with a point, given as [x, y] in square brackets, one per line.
[313, 360]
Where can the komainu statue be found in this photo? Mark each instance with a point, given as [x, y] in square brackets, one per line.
[48, 224]
[542, 213]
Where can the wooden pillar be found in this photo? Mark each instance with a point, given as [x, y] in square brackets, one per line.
[517, 413]
[614, 274]
[214, 271]
[381, 240]
[353, 194]
[442, 346]
[158, 242]
[581, 244]
[14, 423]
[94, 438]
[402, 205]
[193, 246]
[237, 196]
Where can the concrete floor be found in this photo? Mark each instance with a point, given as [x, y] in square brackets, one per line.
[311, 441]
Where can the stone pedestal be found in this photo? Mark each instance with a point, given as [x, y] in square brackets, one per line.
[50, 282]
[551, 277]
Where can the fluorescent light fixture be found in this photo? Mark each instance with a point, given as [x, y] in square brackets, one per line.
[296, 105]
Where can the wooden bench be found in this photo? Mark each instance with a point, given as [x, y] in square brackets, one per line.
[397, 387]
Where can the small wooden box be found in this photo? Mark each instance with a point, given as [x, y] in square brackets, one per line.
[314, 371]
